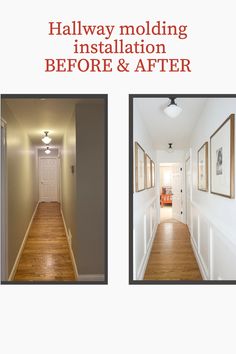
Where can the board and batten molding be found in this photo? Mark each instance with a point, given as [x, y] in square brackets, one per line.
[214, 246]
[150, 223]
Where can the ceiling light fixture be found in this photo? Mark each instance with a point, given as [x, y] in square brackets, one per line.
[172, 110]
[170, 148]
[46, 138]
[47, 151]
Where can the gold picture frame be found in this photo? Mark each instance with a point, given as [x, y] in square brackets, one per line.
[203, 168]
[153, 175]
[139, 168]
[222, 159]
[148, 172]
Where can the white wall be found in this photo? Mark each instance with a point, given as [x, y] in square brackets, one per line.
[166, 175]
[144, 204]
[213, 217]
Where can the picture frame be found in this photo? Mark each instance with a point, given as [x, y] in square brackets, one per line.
[222, 146]
[139, 168]
[203, 168]
[148, 172]
[153, 174]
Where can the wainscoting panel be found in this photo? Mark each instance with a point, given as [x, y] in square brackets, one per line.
[195, 227]
[148, 225]
[224, 258]
[214, 249]
[143, 239]
[204, 239]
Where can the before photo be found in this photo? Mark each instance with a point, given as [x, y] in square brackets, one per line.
[54, 189]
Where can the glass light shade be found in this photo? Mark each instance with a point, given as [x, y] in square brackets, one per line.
[47, 151]
[172, 110]
[46, 139]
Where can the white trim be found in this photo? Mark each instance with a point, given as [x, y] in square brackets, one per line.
[70, 248]
[145, 259]
[216, 223]
[91, 277]
[12, 275]
[200, 265]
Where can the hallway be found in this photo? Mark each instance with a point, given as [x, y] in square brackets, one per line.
[172, 257]
[46, 255]
[49, 161]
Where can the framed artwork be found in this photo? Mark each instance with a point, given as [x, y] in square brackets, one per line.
[203, 168]
[139, 168]
[148, 172]
[153, 173]
[222, 159]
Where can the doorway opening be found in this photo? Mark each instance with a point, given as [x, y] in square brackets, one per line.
[49, 175]
[171, 192]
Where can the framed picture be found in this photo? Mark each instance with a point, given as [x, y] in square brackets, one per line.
[153, 173]
[222, 159]
[139, 168]
[203, 168]
[148, 172]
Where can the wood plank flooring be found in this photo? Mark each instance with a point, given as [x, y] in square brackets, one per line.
[172, 257]
[46, 255]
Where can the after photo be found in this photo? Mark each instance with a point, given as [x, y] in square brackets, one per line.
[54, 189]
[182, 189]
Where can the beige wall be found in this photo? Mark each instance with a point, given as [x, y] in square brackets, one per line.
[22, 189]
[83, 192]
[68, 179]
[90, 169]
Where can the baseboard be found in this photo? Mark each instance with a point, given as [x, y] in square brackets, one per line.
[142, 268]
[70, 248]
[201, 268]
[91, 277]
[13, 272]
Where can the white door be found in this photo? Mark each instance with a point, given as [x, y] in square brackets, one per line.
[48, 179]
[188, 191]
[177, 190]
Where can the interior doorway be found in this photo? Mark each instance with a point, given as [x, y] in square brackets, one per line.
[48, 179]
[171, 192]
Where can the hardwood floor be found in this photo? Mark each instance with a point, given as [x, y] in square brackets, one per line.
[172, 257]
[46, 255]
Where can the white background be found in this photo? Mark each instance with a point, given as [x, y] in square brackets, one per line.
[118, 318]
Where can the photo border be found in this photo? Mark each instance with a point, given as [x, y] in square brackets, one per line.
[73, 96]
[160, 282]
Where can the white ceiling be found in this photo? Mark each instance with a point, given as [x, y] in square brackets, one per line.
[38, 115]
[164, 130]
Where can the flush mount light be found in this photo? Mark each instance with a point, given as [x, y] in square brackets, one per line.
[47, 151]
[172, 110]
[170, 148]
[46, 138]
